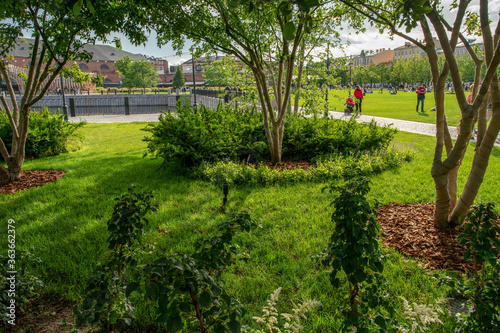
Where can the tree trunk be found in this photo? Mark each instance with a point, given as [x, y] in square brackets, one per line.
[479, 164]
[12, 172]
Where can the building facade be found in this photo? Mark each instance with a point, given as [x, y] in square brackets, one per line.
[102, 62]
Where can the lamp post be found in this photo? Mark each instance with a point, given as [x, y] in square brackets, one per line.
[64, 106]
[350, 80]
[326, 81]
[194, 81]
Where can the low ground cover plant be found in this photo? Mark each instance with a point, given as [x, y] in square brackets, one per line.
[329, 166]
[48, 134]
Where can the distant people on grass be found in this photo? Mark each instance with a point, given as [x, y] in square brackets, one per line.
[358, 94]
[421, 90]
[390, 88]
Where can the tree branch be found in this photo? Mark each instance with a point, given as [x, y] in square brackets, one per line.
[7, 111]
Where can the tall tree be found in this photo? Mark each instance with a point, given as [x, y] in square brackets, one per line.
[137, 74]
[394, 15]
[59, 29]
[178, 81]
[221, 73]
[263, 35]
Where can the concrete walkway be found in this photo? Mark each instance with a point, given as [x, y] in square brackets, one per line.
[402, 125]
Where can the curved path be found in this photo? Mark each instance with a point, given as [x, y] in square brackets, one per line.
[402, 125]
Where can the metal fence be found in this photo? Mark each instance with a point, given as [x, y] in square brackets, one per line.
[82, 105]
[92, 105]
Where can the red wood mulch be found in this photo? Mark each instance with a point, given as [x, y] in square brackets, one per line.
[31, 179]
[409, 228]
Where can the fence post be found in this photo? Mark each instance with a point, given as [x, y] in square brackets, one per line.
[127, 106]
[72, 109]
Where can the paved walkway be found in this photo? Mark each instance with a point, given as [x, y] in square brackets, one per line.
[402, 125]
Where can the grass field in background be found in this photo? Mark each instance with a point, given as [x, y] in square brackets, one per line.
[399, 106]
[65, 222]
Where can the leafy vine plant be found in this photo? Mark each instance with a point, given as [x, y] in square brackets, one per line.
[105, 302]
[354, 250]
[188, 288]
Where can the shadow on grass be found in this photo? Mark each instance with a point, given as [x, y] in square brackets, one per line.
[66, 221]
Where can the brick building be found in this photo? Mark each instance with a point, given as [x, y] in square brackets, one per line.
[102, 62]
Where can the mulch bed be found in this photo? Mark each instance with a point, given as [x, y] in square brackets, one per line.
[31, 179]
[410, 229]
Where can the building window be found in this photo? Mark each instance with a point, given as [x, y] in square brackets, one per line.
[83, 66]
[198, 68]
[104, 67]
[112, 54]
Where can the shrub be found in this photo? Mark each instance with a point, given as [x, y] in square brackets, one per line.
[481, 239]
[192, 136]
[48, 134]
[306, 138]
[355, 257]
[196, 135]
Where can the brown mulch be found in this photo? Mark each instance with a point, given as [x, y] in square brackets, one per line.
[410, 229]
[285, 165]
[31, 179]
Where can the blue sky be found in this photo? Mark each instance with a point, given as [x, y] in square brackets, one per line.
[370, 40]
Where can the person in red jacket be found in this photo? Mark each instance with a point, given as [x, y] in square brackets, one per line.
[358, 94]
[421, 96]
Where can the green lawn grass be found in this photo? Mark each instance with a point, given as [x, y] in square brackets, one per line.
[65, 222]
[400, 106]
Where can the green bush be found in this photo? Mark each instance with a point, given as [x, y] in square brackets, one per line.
[48, 134]
[195, 135]
[192, 136]
[306, 138]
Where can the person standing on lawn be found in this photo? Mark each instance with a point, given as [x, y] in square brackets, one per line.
[358, 94]
[421, 90]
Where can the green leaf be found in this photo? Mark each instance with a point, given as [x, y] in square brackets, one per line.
[174, 323]
[234, 326]
[289, 31]
[132, 286]
[205, 299]
[90, 6]
[152, 290]
[77, 7]
[380, 321]
[234, 3]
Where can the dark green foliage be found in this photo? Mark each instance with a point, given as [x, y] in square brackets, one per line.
[194, 135]
[188, 287]
[105, 301]
[25, 282]
[481, 239]
[127, 222]
[307, 138]
[354, 249]
[48, 134]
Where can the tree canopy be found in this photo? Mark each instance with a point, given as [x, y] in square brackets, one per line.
[59, 29]
[178, 81]
[400, 18]
[137, 74]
